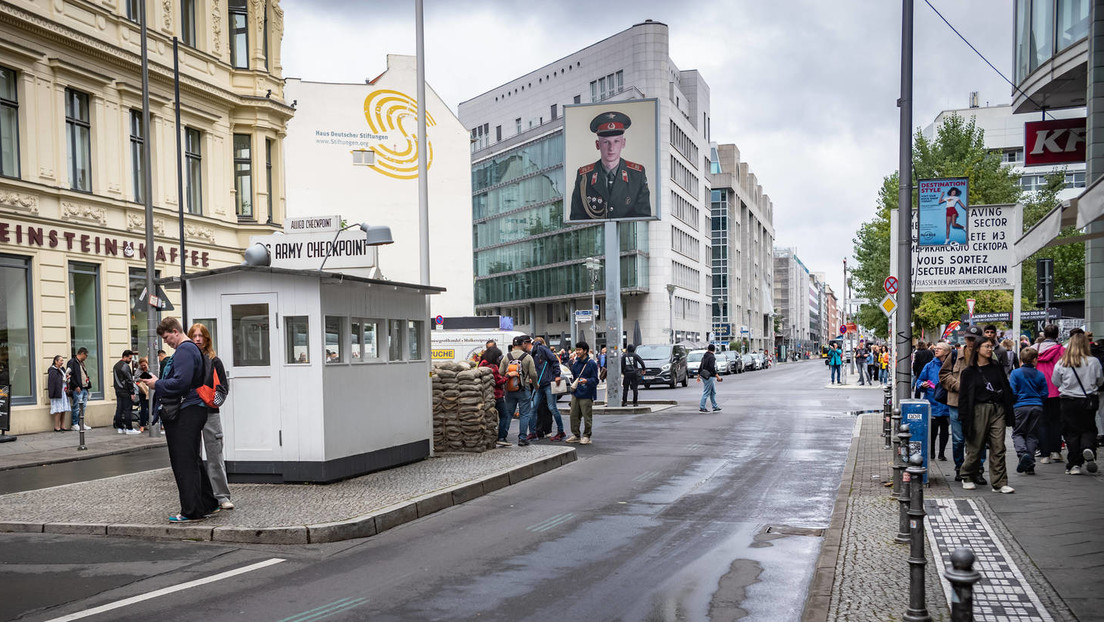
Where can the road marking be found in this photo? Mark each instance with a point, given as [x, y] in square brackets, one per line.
[168, 590]
[645, 476]
[556, 520]
[325, 611]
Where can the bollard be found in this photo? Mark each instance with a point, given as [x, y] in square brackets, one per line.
[903, 499]
[962, 577]
[917, 610]
[898, 468]
[887, 411]
[80, 422]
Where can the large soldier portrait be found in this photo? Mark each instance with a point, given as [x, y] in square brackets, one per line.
[612, 187]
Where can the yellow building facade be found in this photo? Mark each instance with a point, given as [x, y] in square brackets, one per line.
[72, 217]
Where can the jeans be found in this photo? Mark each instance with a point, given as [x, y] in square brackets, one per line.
[835, 373]
[883, 375]
[520, 400]
[124, 406]
[503, 418]
[709, 390]
[1024, 437]
[862, 375]
[80, 402]
[143, 410]
[545, 393]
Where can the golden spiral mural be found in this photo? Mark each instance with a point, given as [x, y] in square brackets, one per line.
[388, 111]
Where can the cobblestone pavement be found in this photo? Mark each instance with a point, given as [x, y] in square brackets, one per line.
[149, 498]
[53, 447]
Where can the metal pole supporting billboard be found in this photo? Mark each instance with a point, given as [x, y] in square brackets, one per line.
[903, 332]
[423, 183]
[613, 315]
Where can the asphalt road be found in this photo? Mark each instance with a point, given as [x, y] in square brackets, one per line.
[671, 516]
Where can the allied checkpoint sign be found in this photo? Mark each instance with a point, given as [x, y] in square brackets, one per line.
[984, 262]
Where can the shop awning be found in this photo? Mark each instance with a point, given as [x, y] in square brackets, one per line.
[1079, 212]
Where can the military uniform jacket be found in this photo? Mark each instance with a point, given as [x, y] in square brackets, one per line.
[594, 198]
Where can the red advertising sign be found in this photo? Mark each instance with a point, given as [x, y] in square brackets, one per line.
[1054, 142]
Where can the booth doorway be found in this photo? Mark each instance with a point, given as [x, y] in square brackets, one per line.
[254, 378]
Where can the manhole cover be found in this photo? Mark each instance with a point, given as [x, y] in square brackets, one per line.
[787, 530]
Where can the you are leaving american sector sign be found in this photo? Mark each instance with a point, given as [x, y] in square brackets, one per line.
[984, 262]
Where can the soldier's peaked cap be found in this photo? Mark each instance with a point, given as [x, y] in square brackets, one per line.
[611, 123]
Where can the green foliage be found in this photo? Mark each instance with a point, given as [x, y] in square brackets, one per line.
[1069, 260]
[958, 150]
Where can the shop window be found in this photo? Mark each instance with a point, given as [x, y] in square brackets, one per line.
[9, 124]
[17, 358]
[297, 336]
[239, 34]
[85, 320]
[395, 329]
[78, 129]
[193, 171]
[414, 340]
[243, 176]
[139, 314]
[334, 340]
[249, 326]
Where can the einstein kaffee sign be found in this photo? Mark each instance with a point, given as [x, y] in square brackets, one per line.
[984, 261]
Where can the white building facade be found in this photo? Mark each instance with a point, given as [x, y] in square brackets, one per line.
[792, 302]
[352, 150]
[528, 264]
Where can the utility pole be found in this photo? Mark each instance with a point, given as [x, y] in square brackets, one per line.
[147, 196]
[423, 145]
[903, 338]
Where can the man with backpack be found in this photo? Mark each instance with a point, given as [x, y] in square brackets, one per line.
[632, 368]
[548, 372]
[518, 368]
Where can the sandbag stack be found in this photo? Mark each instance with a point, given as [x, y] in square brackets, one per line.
[464, 414]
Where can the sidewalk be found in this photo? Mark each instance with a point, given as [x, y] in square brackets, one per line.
[1037, 549]
[55, 447]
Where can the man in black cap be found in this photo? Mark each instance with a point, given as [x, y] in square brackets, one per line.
[612, 187]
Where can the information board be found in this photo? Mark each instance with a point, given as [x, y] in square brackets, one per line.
[984, 262]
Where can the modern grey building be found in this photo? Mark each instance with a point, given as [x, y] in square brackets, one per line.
[527, 263]
[792, 286]
[742, 245]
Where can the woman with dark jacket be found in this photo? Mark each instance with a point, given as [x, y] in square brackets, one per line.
[491, 357]
[985, 408]
[57, 389]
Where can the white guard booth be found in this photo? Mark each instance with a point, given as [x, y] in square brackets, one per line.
[329, 373]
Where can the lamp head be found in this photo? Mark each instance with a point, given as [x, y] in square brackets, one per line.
[257, 255]
[377, 235]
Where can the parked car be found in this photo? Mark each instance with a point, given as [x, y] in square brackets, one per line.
[724, 363]
[693, 362]
[665, 364]
[749, 362]
[760, 360]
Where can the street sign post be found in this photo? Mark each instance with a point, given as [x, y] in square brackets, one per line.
[888, 305]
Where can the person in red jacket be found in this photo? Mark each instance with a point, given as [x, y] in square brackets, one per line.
[1050, 424]
[491, 356]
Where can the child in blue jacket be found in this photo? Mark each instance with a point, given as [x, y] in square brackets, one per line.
[1030, 389]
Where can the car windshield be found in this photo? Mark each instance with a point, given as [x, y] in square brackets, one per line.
[654, 352]
[695, 357]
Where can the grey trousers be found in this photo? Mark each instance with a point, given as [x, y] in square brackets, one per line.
[216, 467]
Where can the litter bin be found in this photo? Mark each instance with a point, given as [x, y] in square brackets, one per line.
[917, 415]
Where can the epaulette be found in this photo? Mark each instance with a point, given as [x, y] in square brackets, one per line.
[583, 170]
[634, 166]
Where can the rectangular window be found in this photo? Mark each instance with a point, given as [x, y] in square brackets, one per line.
[139, 327]
[414, 340]
[193, 171]
[17, 359]
[243, 176]
[79, 138]
[517, 122]
[356, 332]
[498, 133]
[239, 34]
[268, 176]
[250, 330]
[554, 113]
[577, 99]
[297, 338]
[84, 319]
[369, 340]
[395, 329]
[133, 8]
[137, 138]
[9, 124]
[335, 339]
[188, 22]
[264, 35]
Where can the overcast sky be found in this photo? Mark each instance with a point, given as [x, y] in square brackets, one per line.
[806, 89]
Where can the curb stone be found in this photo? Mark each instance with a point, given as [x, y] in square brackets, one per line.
[357, 527]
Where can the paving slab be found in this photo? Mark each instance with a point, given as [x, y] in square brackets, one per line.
[138, 505]
[29, 450]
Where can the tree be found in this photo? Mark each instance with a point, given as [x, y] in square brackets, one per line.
[957, 150]
[1069, 259]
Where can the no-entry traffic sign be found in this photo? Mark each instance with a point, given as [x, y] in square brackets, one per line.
[891, 285]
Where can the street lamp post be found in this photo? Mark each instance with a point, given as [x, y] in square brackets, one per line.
[671, 310]
[593, 266]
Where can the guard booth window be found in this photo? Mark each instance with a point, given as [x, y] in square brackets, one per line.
[335, 352]
[250, 330]
[297, 331]
[395, 329]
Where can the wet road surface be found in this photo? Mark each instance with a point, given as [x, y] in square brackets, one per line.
[665, 517]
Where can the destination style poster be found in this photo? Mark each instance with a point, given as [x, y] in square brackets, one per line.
[942, 211]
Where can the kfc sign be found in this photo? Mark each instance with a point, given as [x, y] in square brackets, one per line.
[1054, 142]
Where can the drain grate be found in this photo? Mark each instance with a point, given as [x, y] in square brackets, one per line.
[787, 530]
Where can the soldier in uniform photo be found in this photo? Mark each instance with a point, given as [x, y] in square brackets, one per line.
[612, 187]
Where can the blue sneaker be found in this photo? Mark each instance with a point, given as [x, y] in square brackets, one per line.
[180, 518]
